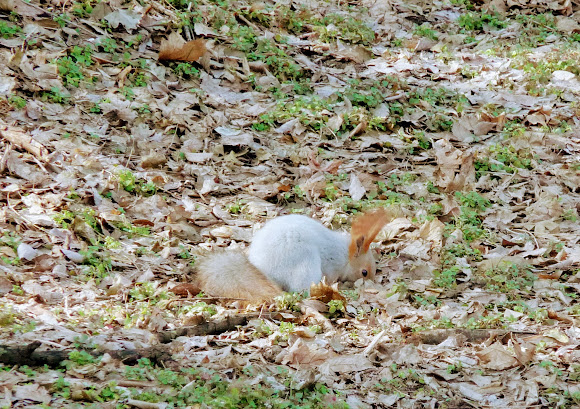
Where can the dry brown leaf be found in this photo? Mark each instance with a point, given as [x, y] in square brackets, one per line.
[497, 357]
[304, 353]
[455, 169]
[345, 363]
[176, 49]
[359, 129]
[524, 351]
[311, 310]
[325, 293]
[186, 290]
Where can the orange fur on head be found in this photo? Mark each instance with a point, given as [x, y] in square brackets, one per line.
[364, 230]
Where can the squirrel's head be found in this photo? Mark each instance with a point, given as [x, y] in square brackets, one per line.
[363, 231]
[363, 266]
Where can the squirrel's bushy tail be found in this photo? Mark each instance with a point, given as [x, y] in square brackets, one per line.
[230, 274]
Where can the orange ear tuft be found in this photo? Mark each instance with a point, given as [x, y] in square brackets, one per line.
[364, 230]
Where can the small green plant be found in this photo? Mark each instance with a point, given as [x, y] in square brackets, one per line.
[17, 102]
[128, 93]
[551, 366]
[201, 307]
[310, 110]
[264, 328]
[186, 70]
[84, 341]
[83, 8]
[431, 188]
[138, 78]
[454, 368]
[184, 253]
[336, 307]
[56, 95]
[428, 301]
[70, 68]
[346, 28]
[8, 30]
[10, 239]
[470, 224]
[446, 278]
[98, 264]
[108, 45]
[466, 3]
[476, 22]
[109, 393]
[130, 183]
[488, 320]
[513, 129]
[281, 64]
[505, 159]
[451, 252]
[143, 291]
[236, 208]
[508, 277]
[289, 301]
[127, 180]
[13, 322]
[62, 19]
[570, 215]
[77, 357]
[286, 328]
[472, 200]
[425, 30]
[61, 387]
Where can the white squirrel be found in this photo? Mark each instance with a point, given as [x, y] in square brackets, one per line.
[289, 254]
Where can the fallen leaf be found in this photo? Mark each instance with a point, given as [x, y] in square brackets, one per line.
[497, 358]
[176, 49]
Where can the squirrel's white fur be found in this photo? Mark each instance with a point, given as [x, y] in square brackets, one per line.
[295, 251]
[290, 253]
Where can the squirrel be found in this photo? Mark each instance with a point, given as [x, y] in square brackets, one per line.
[289, 254]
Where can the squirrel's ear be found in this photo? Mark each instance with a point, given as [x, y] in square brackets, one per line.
[360, 242]
[364, 230]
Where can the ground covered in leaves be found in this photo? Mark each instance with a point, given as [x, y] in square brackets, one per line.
[138, 135]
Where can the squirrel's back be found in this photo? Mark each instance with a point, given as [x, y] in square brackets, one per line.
[295, 251]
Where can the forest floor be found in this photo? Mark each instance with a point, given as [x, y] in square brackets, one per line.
[135, 136]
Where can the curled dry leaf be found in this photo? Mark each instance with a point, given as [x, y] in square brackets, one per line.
[185, 290]
[325, 292]
[176, 49]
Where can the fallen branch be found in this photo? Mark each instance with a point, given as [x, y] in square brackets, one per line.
[29, 355]
[160, 353]
[212, 327]
[437, 336]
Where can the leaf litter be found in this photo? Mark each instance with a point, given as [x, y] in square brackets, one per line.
[137, 137]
